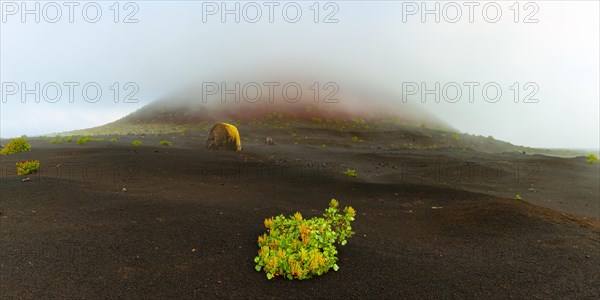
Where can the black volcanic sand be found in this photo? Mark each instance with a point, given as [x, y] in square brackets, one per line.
[109, 220]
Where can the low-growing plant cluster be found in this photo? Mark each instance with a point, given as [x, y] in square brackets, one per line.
[27, 167]
[166, 143]
[56, 141]
[300, 248]
[350, 172]
[137, 143]
[16, 145]
[83, 139]
[592, 159]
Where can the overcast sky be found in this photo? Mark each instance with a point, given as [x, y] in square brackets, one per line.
[553, 63]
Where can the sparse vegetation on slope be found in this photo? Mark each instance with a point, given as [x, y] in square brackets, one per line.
[350, 172]
[83, 139]
[166, 143]
[27, 167]
[16, 145]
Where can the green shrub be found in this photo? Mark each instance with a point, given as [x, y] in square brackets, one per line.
[349, 172]
[114, 139]
[82, 140]
[518, 197]
[26, 167]
[137, 143]
[298, 248]
[56, 140]
[16, 145]
[166, 143]
[69, 139]
[592, 159]
[355, 139]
